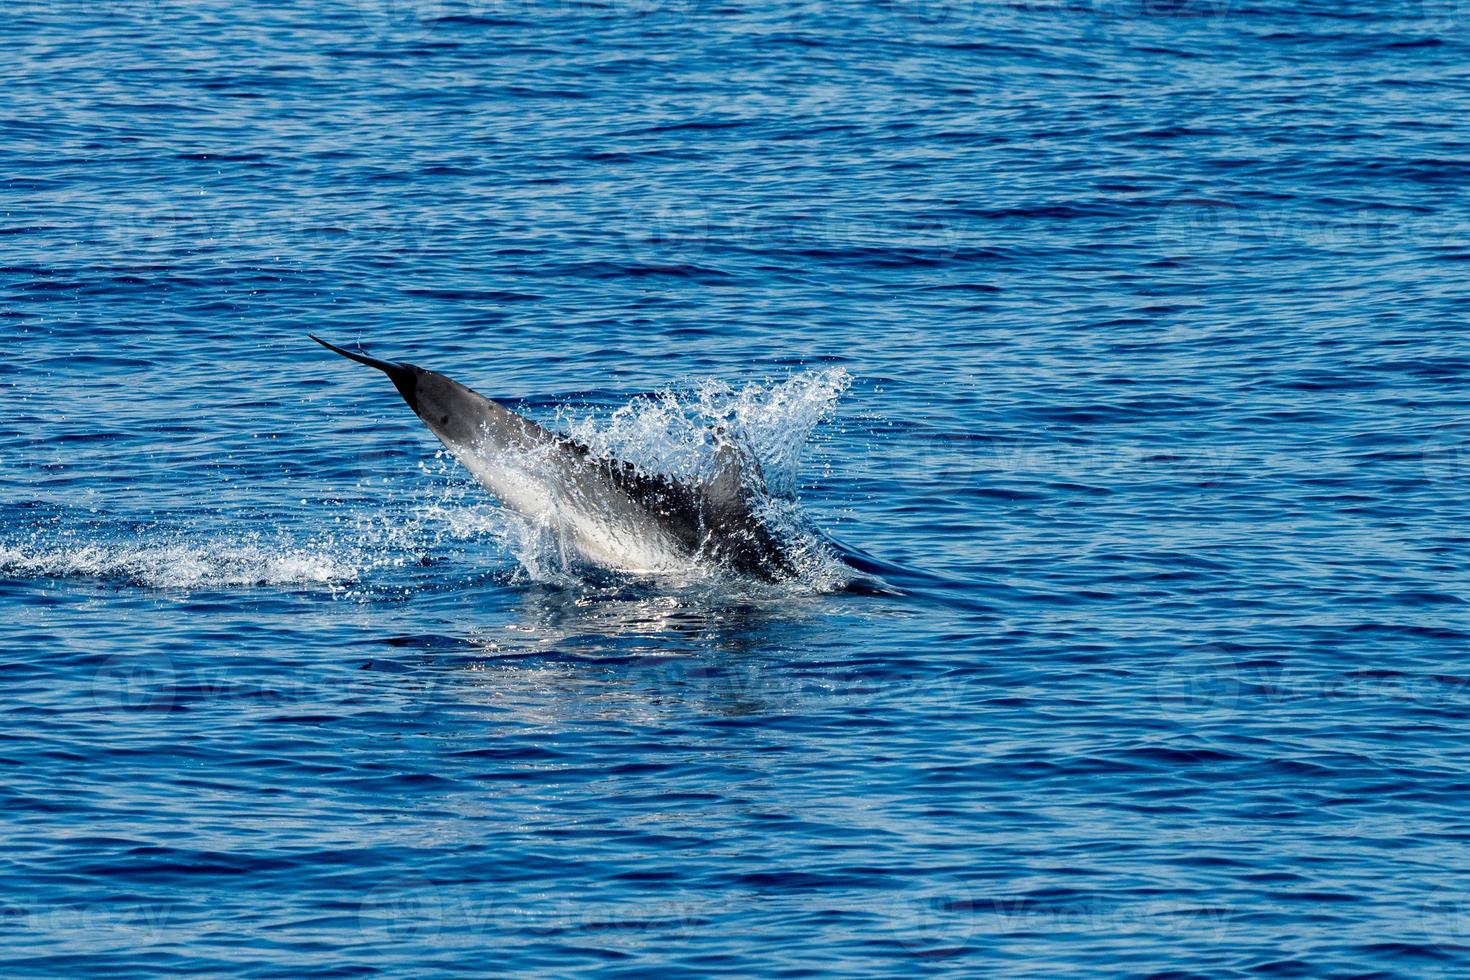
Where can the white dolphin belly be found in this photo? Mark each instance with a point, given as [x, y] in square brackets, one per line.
[617, 537]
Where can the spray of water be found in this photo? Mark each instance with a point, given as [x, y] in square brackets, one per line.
[677, 432]
[680, 433]
[450, 519]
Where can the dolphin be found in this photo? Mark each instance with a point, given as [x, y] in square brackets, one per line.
[606, 511]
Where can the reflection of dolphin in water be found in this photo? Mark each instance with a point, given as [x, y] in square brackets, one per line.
[609, 512]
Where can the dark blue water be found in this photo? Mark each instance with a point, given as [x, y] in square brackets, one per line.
[1127, 339]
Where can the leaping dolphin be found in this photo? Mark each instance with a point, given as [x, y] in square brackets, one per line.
[610, 512]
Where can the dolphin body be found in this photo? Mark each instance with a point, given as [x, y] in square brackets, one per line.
[608, 512]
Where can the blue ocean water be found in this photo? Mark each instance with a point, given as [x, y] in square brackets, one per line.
[1125, 339]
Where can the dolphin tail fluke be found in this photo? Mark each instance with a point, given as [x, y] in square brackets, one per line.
[387, 367]
[402, 375]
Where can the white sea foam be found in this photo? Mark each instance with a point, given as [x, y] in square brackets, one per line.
[181, 565]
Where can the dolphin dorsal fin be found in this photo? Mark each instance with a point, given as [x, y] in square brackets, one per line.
[726, 481]
[736, 471]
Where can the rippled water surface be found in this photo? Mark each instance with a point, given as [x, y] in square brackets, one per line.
[1124, 340]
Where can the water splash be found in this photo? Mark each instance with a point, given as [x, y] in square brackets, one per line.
[444, 517]
[677, 432]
